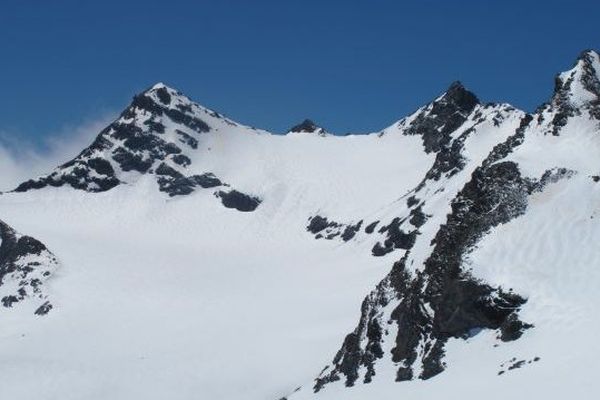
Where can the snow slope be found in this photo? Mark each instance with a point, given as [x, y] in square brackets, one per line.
[200, 258]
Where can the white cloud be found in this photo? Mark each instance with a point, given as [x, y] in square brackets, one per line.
[21, 159]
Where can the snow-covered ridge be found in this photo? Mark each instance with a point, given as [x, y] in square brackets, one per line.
[165, 135]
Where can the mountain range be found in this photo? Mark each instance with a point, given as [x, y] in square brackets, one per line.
[183, 255]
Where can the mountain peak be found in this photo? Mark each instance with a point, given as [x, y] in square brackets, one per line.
[159, 85]
[163, 94]
[579, 87]
[157, 134]
[308, 126]
[459, 96]
[305, 126]
[456, 85]
[436, 122]
[162, 86]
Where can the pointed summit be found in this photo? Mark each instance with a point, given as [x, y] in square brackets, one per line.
[308, 126]
[579, 87]
[305, 126]
[159, 85]
[459, 97]
[162, 91]
[156, 134]
[159, 134]
[436, 121]
[163, 95]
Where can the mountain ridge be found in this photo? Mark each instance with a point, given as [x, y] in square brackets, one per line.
[136, 140]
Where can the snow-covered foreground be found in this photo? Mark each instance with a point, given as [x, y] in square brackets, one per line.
[452, 254]
[180, 299]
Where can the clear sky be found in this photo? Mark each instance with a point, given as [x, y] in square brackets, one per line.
[352, 66]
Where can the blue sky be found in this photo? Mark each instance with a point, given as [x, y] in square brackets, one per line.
[352, 66]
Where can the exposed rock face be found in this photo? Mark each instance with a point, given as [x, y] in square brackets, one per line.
[238, 200]
[442, 117]
[175, 183]
[25, 266]
[321, 227]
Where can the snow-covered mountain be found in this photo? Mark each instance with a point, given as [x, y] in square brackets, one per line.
[203, 258]
[155, 135]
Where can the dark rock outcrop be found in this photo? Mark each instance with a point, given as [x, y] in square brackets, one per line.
[238, 200]
[396, 238]
[321, 227]
[25, 265]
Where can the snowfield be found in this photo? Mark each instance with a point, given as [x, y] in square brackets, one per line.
[160, 297]
[177, 299]
[162, 287]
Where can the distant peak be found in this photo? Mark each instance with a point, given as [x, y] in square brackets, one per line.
[579, 86]
[308, 126]
[460, 96]
[305, 126]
